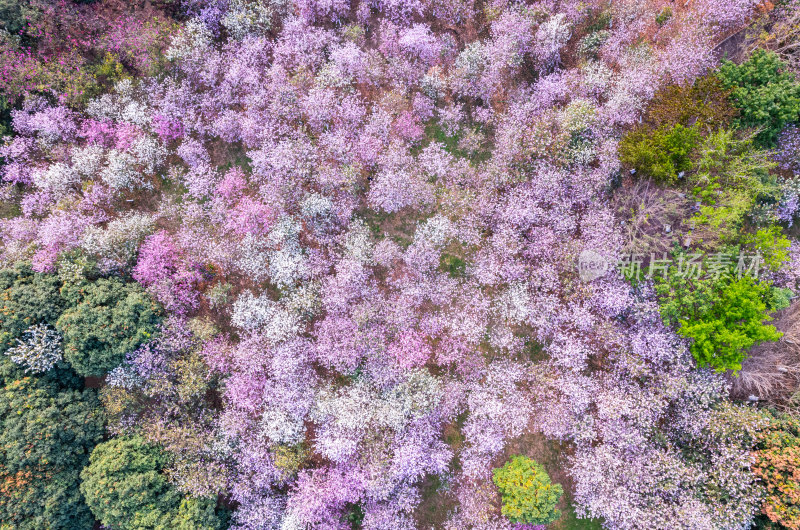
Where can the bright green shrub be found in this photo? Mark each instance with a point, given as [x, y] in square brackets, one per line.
[721, 221]
[46, 434]
[110, 69]
[106, 319]
[771, 244]
[735, 161]
[125, 488]
[732, 182]
[528, 495]
[198, 514]
[660, 153]
[765, 92]
[781, 298]
[724, 317]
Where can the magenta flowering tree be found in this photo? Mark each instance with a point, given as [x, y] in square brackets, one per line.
[161, 268]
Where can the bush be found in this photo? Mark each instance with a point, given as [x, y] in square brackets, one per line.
[664, 16]
[5, 120]
[660, 153]
[765, 92]
[723, 220]
[125, 488]
[198, 514]
[734, 184]
[528, 496]
[591, 43]
[724, 316]
[735, 160]
[771, 244]
[106, 319]
[15, 14]
[46, 435]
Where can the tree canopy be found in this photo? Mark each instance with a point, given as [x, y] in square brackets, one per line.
[46, 434]
[125, 488]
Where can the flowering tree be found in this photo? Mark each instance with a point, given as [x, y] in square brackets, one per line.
[39, 351]
[353, 229]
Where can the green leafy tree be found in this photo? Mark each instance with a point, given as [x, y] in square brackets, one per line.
[661, 153]
[106, 319]
[528, 495]
[734, 159]
[125, 488]
[733, 181]
[765, 92]
[5, 120]
[46, 434]
[27, 299]
[724, 316]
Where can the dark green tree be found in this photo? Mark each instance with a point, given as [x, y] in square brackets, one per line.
[105, 320]
[14, 14]
[126, 489]
[27, 298]
[46, 434]
[765, 92]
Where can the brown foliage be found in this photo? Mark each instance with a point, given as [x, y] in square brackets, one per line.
[777, 464]
[705, 103]
[645, 210]
[772, 370]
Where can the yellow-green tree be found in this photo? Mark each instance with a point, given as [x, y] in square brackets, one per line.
[528, 495]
